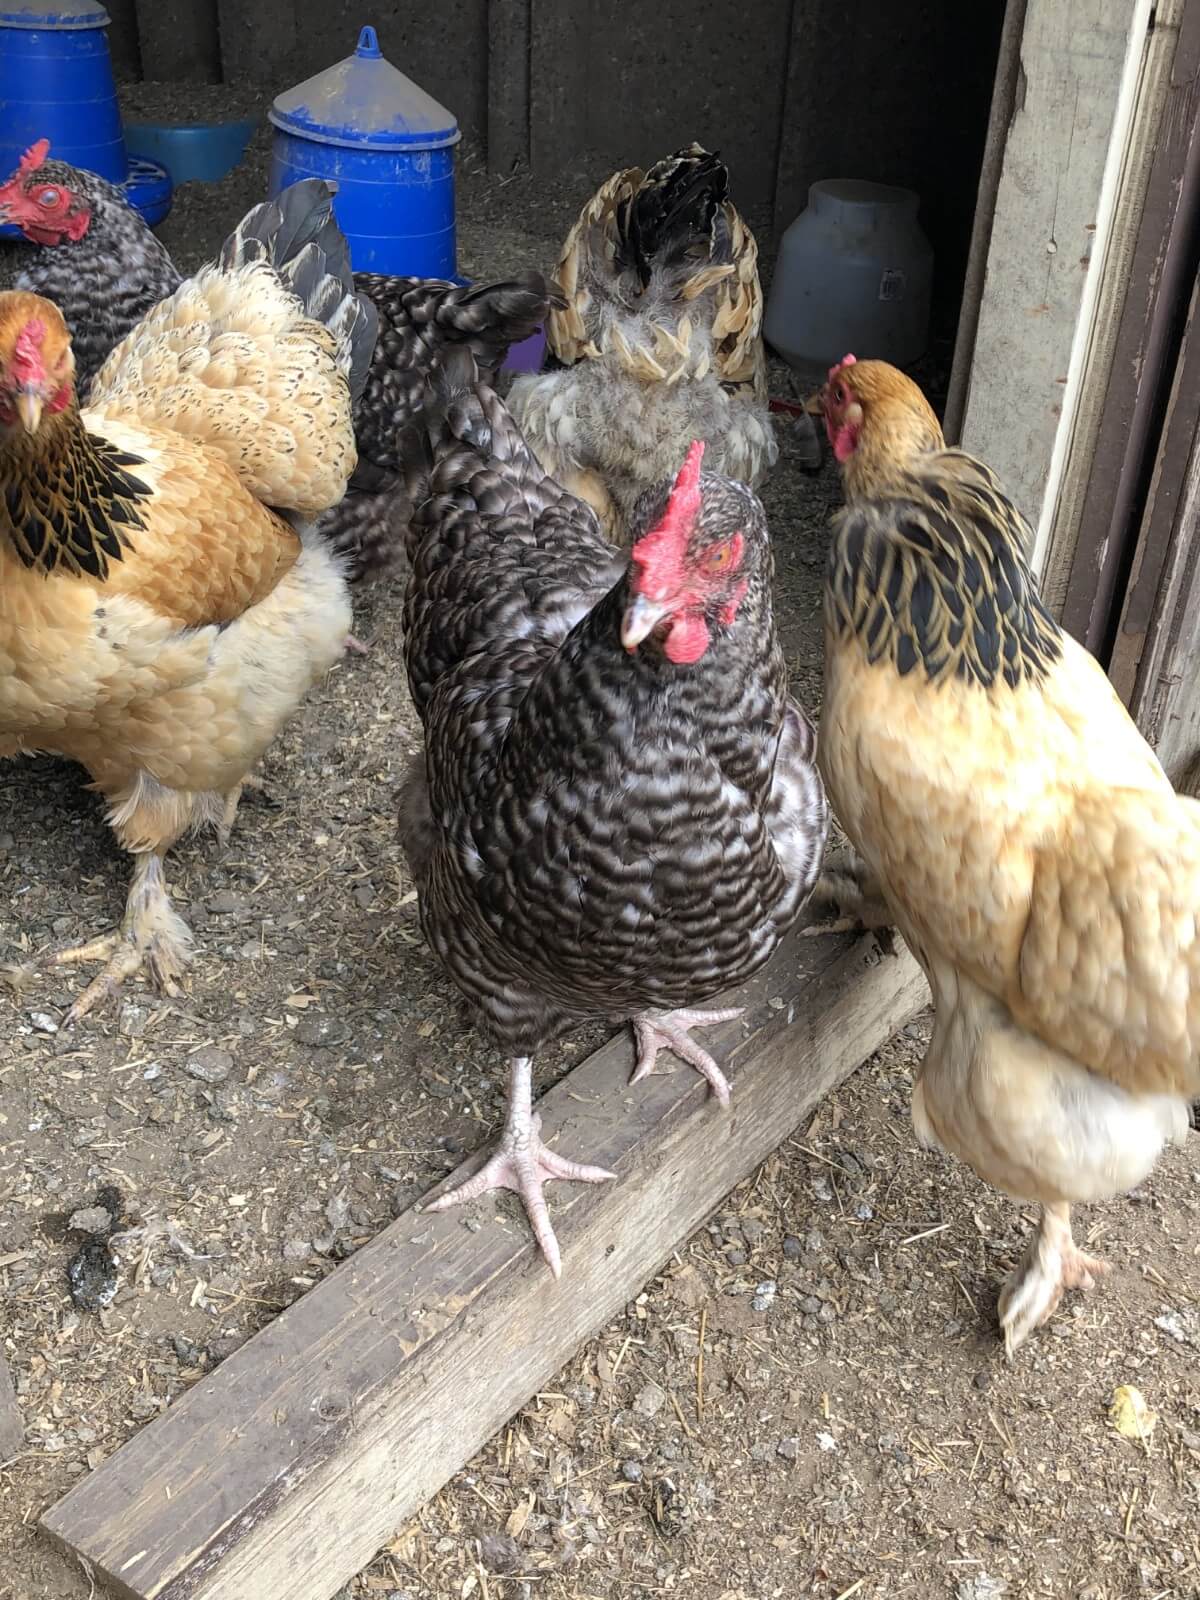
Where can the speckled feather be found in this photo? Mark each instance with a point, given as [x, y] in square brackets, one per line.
[593, 832]
[104, 283]
[660, 337]
[420, 319]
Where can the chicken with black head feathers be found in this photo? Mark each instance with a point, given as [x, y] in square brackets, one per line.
[616, 814]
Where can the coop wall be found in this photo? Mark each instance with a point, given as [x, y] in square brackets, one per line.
[789, 91]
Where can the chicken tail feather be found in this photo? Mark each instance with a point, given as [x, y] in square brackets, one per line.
[676, 205]
[297, 233]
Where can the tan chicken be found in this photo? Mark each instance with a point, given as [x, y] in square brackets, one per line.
[1021, 832]
[158, 623]
[659, 342]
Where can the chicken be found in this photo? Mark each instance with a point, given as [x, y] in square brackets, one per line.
[617, 813]
[420, 319]
[1019, 829]
[86, 249]
[660, 339]
[158, 622]
[91, 253]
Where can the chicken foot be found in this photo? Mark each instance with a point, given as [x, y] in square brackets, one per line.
[151, 934]
[1052, 1262]
[524, 1163]
[668, 1030]
[853, 898]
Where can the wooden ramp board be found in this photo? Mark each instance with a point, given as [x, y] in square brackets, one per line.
[284, 1472]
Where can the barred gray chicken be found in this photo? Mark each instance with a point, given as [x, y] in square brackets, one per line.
[91, 253]
[617, 813]
[85, 248]
[420, 319]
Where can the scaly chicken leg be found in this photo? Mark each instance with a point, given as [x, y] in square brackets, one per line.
[668, 1030]
[151, 933]
[524, 1163]
[1052, 1262]
[853, 898]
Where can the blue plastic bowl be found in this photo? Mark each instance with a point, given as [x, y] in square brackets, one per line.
[148, 190]
[193, 150]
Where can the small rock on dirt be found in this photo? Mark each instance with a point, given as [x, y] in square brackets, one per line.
[650, 1400]
[210, 1064]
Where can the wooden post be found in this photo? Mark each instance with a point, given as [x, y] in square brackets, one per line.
[285, 1471]
[507, 85]
[559, 36]
[12, 1424]
[1072, 66]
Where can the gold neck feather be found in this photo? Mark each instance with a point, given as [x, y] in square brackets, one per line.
[67, 497]
[932, 575]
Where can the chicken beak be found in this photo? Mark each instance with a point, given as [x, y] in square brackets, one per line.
[640, 620]
[815, 404]
[28, 406]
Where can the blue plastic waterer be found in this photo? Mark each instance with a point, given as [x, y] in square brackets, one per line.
[389, 148]
[56, 83]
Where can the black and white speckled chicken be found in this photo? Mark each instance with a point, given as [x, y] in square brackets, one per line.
[91, 253]
[617, 813]
[660, 338]
[420, 320]
[85, 249]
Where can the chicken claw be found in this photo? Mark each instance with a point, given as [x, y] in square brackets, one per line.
[1052, 1262]
[668, 1030]
[524, 1163]
[151, 934]
[853, 899]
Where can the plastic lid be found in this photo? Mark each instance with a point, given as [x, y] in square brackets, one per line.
[365, 102]
[53, 15]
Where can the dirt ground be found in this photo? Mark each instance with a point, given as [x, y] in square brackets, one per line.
[810, 1399]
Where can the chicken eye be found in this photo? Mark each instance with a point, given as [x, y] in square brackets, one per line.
[49, 198]
[718, 559]
[839, 394]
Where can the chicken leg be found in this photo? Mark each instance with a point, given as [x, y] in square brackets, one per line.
[668, 1030]
[524, 1163]
[1052, 1262]
[852, 898]
[151, 934]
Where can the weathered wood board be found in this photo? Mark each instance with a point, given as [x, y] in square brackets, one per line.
[12, 1425]
[286, 1470]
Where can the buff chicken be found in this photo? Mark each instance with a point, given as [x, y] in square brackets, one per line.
[164, 601]
[89, 251]
[1015, 826]
[617, 814]
[659, 341]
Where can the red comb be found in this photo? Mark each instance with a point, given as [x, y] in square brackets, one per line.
[34, 156]
[659, 553]
[846, 361]
[27, 362]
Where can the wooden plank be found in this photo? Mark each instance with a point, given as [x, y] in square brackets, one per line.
[1138, 316]
[1008, 82]
[179, 41]
[1073, 55]
[12, 1424]
[1156, 661]
[508, 85]
[285, 1471]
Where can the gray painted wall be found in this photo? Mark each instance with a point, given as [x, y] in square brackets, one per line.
[788, 90]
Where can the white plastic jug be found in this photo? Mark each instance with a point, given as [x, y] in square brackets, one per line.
[852, 277]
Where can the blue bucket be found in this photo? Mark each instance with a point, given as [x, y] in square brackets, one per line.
[56, 83]
[389, 149]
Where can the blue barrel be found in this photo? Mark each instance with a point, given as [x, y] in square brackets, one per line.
[56, 83]
[388, 147]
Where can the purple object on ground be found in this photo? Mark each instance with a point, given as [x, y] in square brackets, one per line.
[528, 355]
